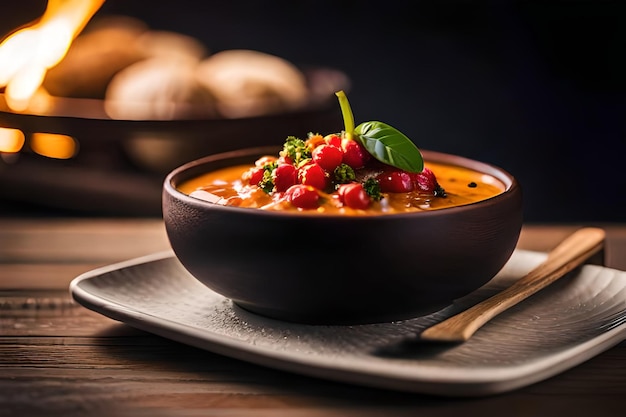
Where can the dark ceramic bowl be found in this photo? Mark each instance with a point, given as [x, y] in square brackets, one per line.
[334, 269]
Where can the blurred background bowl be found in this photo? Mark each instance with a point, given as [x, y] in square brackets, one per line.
[119, 164]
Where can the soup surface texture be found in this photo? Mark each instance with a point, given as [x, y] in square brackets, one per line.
[228, 186]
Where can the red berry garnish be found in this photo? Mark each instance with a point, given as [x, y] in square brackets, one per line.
[333, 140]
[395, 181]
[255, 175]
[313, 174]
[328, 157]
[302, 196]
[354, 196]
[354, 154]
[426, 181]
[285, 175]
[284, 159]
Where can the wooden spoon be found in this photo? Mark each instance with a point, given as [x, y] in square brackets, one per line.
[573, 251]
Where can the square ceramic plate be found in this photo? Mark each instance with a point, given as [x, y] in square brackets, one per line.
[565, 324]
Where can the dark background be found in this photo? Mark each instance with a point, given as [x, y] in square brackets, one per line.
[536, 87]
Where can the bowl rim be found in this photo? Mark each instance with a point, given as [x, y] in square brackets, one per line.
[511, 184]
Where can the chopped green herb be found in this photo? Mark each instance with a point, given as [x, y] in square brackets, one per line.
[372, 188]
[296, 149]
[344, 174]
[267, 183]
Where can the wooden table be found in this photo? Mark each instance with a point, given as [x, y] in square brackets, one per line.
[58, 358]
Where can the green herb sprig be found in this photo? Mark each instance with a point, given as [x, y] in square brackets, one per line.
[383, 142]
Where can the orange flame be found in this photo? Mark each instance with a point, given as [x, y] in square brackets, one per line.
[28, 53]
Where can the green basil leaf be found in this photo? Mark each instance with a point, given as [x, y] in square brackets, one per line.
[389, 146]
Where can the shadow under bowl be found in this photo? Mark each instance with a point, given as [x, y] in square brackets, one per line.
[338, 269]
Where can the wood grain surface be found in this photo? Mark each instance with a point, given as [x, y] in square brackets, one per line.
[60, 359]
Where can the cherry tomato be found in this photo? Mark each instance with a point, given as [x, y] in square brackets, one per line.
[333, 140]
[425, 181]
[328, 157]
[302, 196]
[255, 175]
[284, 159]
[354, 196]
[285, 175]
[395, 181]
[354, 154]
[313, 174]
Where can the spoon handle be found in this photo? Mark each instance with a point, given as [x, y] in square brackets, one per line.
[571, 252]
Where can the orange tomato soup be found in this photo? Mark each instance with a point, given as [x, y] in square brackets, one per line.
[462, 186]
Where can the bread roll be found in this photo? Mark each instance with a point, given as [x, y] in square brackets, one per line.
[171, 45]
[95, 56]
[158, 89]
[249, 83]
[107, 46]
